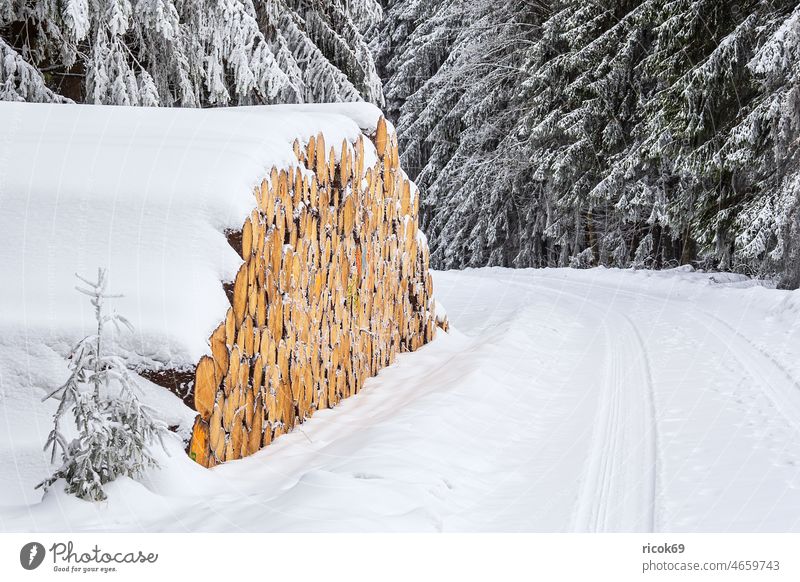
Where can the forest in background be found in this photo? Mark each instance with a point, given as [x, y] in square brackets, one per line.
[645, 133]
[197, 53]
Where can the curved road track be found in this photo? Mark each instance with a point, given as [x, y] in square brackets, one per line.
[562, 401]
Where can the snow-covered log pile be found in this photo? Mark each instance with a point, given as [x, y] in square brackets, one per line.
[269, 257]
[334, 284]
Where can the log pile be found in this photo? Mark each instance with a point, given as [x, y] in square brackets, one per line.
[334, 284]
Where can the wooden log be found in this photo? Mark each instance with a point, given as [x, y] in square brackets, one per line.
[259, 231]
[219, 352]
[261, 196]
[255, 435]
[344, 171]
[333, 285]
[321, 161]
[311, 150]
[332, 164]
[283, 190]
[230, 329]
[267, 349]
[206, 380]
[246, 337]
[247, 239]
[395, 153]
[381, 137]
[272, 406]
[240, 295]
[283, 360]
[297, 189]
[230, 406]
[298, 151]
[261, 306]
[237, 437]
[233, 370]
[217, 433]
[270, 199]
[358, 170]
[199, 445]
[286, 403]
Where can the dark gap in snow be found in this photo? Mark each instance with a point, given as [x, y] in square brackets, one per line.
[228, 287]
[235, 240]
[179, 382]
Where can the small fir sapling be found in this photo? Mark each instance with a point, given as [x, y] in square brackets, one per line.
[114, 430]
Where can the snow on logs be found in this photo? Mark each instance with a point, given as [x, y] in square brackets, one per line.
[334, 284]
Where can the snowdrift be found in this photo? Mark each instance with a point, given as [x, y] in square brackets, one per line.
[269, 257]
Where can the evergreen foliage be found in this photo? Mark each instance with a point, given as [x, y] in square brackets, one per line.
[645, 133]
[114, 430]
[207, 52]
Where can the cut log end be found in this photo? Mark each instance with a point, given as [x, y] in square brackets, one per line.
[333, 285]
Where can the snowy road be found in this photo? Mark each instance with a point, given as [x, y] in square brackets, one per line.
[563, 401]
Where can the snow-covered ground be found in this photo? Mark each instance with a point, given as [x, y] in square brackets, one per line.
[146, 193]
[562, 400]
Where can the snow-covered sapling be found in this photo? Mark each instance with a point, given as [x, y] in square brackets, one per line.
[114, 430]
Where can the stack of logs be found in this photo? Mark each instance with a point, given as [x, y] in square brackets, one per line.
[334, 284]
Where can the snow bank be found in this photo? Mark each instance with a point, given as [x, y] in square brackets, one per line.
[146, 193]
[492, 427]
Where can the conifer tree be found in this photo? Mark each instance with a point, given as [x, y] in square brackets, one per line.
[114, 430]
[208, 52]
[645, 133]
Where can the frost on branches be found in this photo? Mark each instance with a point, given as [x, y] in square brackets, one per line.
[19, 81]
[114, 430]
[209, 52]
[552, 133]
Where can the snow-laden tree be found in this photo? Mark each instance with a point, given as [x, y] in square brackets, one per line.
[208, 52]
[416, 38]
[767, 140]
[19, 81]
[114, 430]
[579, 104]
[489, 179]
[700, 160]
[693, 87]
[630, 132]
[453, 77]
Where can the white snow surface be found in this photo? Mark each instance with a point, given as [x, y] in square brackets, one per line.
[562, 400]
[146, 193]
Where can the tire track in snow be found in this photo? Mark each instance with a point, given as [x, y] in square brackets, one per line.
[596, 491]
[762, 367]
[703, 313]
[768, 375]
[618, 491]
[768, 378]
[773, 379]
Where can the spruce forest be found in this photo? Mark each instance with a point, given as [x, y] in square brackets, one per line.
[645, 134]
[428, 266]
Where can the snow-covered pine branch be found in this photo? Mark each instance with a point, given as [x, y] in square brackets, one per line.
[209, 52]
[654, 133]
[114, 430]
[19, 81]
